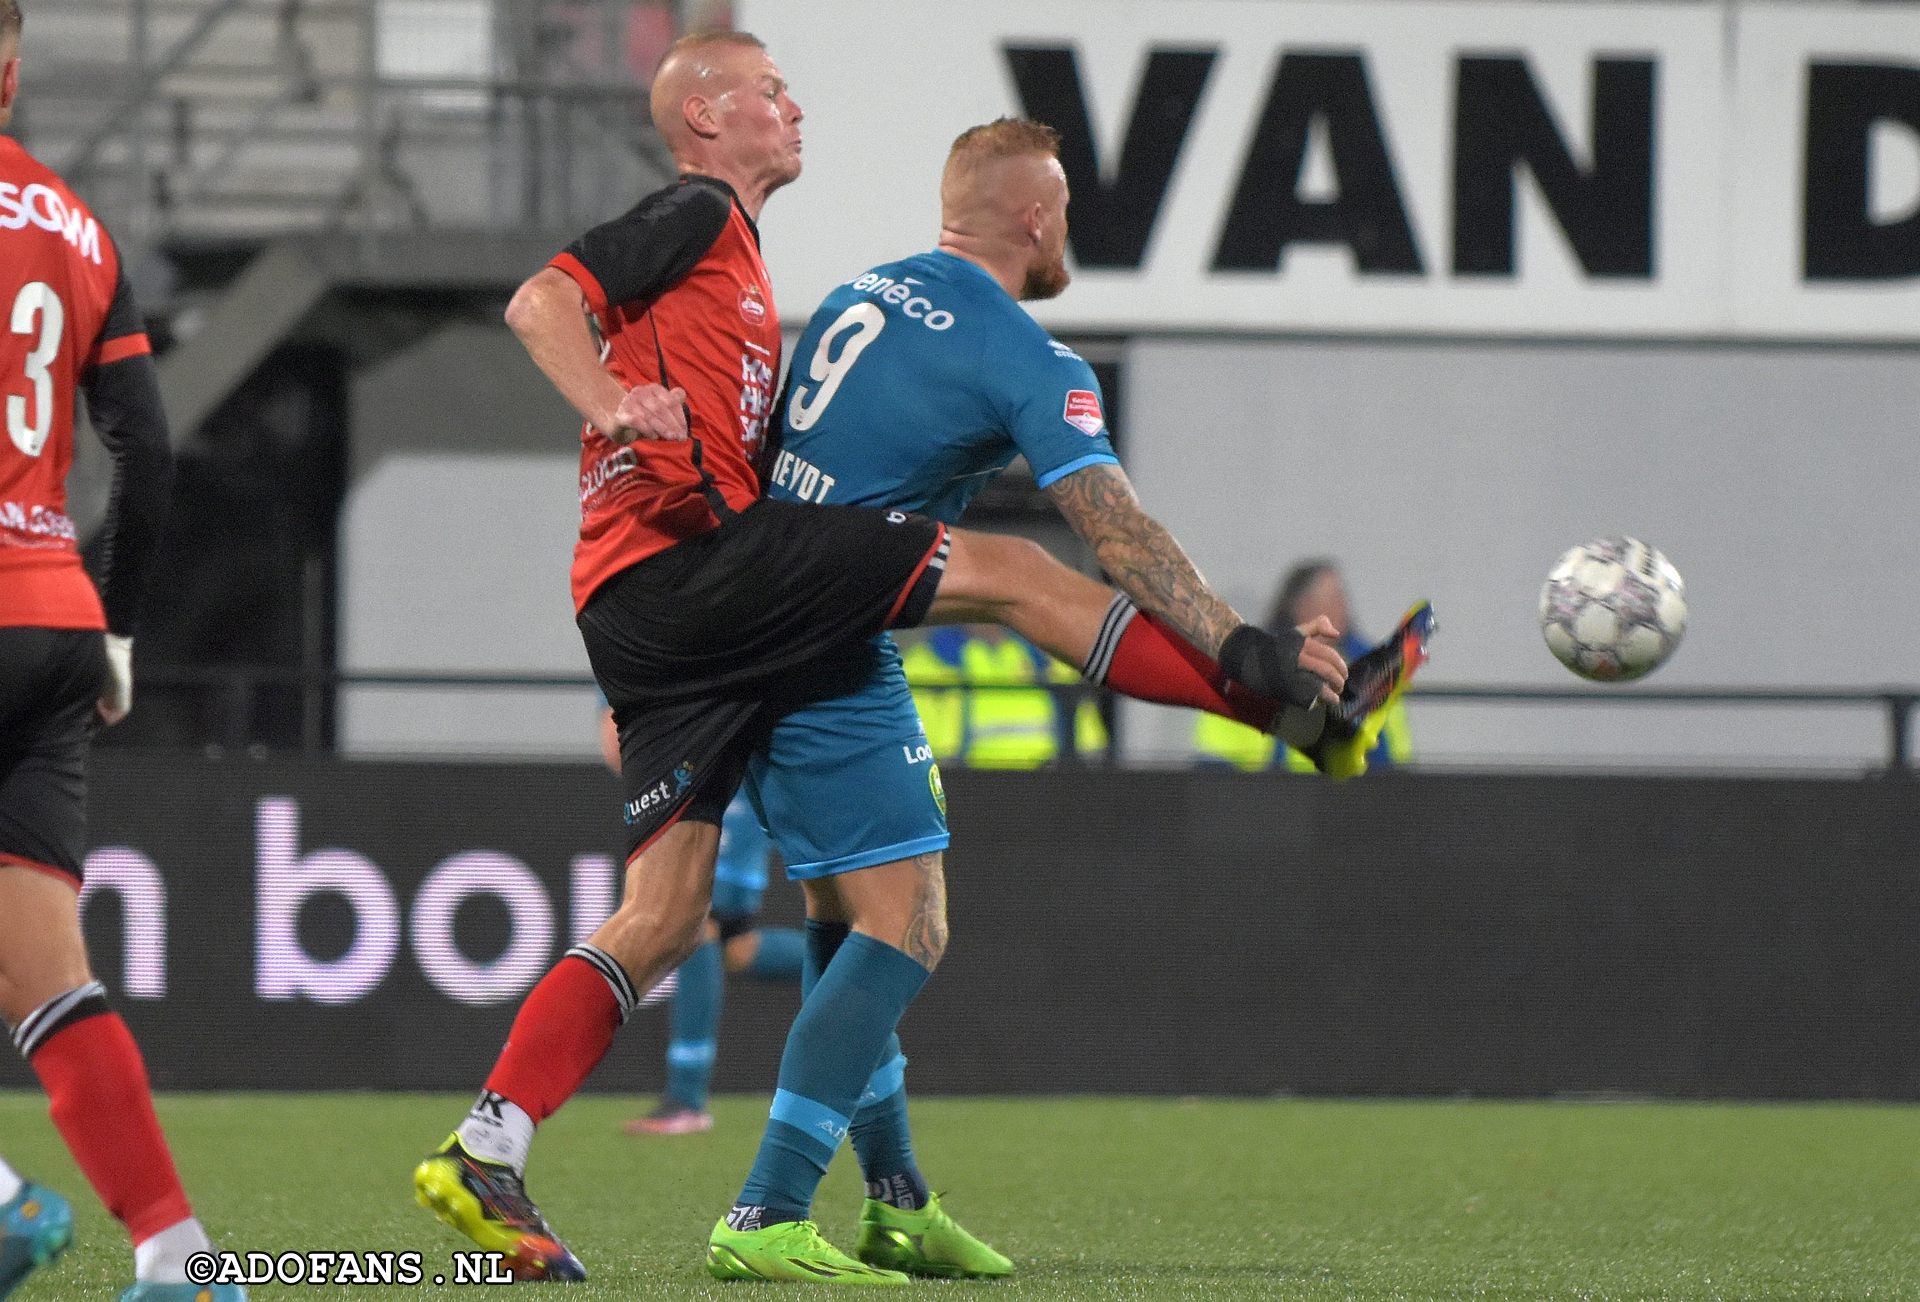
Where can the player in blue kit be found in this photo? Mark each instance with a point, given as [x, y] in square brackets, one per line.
[912, 386]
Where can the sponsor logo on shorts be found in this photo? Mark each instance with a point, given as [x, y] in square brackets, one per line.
[660, 795]
[896, 517]
[937, 787]
[752, 310]
[920, 754]
[1083, 412]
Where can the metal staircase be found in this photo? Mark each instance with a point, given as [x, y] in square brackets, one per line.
[242, 120]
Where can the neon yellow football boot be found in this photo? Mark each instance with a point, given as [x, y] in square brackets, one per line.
[791, 1251]
[926, 1242]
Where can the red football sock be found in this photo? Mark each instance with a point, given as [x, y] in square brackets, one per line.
[562, 1031]
[1151, 662]
[98, 1096]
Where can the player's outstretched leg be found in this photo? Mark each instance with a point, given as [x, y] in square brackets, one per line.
[36, 1226]
[991, 578]
[475, 1182]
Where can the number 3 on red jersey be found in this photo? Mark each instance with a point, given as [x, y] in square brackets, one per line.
[37, 314]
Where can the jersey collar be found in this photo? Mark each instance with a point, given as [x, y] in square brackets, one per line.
[970, 265]
[733, 197]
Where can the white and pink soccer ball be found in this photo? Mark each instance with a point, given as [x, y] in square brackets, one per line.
[1613, 610]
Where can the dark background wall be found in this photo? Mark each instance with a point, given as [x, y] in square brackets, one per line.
[1171, 932]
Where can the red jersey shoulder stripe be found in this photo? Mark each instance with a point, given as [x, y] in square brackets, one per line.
[118, 350]
[589, 284]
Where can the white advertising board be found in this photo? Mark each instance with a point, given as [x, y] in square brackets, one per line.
[1651, 170]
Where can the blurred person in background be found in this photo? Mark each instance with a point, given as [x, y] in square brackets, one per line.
[1016, 723]
[732, 943]
[66, 670]
[1311, 590]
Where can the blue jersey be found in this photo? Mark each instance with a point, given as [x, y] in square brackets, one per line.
[918, 382]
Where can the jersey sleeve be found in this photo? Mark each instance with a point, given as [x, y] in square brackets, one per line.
[1054, 413]
[123, 397]
[650, 249]
[124, 332]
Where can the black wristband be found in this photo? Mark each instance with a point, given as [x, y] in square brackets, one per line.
[1269, 663]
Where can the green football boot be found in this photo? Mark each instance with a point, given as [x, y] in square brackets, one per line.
[927, 1242]
[791, 1251]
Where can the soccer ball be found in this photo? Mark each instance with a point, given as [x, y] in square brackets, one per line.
[1613, 610]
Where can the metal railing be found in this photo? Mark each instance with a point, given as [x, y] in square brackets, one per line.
[256, 118]
[231, 695]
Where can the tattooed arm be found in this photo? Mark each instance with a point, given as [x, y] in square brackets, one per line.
[1140, 555]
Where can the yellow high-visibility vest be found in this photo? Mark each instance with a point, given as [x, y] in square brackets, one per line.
[1227, 742]
[1001, 729]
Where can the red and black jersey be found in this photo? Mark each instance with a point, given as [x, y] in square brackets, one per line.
[67, 317]
[677, 283]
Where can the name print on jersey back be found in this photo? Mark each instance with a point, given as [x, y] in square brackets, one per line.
[918, 380]
[40, 205]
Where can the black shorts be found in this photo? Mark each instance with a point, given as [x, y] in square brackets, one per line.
[699, 649]
[50, 685]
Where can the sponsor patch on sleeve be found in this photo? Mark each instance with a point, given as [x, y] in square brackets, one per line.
[1083, 412]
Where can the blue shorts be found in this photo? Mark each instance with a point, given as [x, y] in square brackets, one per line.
[740, 872]
[851, 782]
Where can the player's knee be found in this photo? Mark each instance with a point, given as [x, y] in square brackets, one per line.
[996, 570]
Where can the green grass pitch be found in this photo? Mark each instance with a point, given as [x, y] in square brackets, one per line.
[1115, 1198]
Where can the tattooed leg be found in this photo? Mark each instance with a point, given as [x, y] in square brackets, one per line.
[903, 903]
[1173, 656]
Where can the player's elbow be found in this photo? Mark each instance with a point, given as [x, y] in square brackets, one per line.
[523, 309]
[539, 299]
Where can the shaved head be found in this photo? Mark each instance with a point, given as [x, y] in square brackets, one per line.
[698, 64]
[1004, 190]
[721, 105]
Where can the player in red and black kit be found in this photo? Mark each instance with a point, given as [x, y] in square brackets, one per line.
[709, 612]
[68, 325]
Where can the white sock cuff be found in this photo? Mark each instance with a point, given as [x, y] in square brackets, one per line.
[616, 976]
[1120, 613]
[162, 1259]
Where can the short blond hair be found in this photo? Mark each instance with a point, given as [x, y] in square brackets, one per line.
[9, 19]
[1003, 138]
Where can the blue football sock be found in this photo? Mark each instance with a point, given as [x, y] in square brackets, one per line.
[845, 1023]
[882, 1135]
[781, 955]
[820, 943]
[693, 1026]
[884, 1142]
